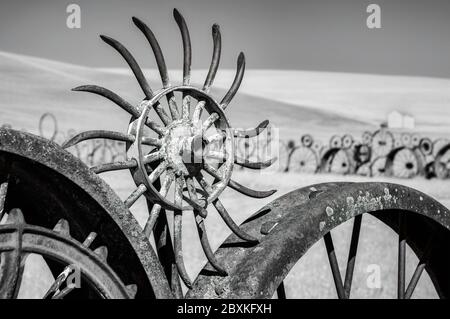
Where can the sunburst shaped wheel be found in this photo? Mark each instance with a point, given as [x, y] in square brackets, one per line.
[179, 137]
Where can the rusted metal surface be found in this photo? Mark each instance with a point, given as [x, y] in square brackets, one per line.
[186, 145]
[294, 222]
[19, 239]
[49, 180]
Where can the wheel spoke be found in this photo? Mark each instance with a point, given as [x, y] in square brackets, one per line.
[13, 260]
[352, 255]
[224, 214]
[281, 292]
[154, 213]
[115, 166]
[134, 196]
[401, 256]
[177, 228]
[3, 192]
[334, 266]
[419, 269]
[210, 121]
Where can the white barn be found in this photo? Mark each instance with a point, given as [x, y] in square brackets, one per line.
[395, 119]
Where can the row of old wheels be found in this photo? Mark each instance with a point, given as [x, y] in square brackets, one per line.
[381, 153]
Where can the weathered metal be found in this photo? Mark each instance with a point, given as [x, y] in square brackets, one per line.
[294, 222]
[48, 183]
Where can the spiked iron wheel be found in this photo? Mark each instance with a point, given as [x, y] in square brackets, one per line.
[181, 145]
[382, 142]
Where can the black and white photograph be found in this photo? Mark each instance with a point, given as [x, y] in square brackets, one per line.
[233, 150]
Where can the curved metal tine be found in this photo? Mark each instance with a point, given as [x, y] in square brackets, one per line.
[254, 165]
[3, 193]
[334, 266]
[236, 82]
[238, 187]
[190, 185]
[151, 141]
[210, 121]
[224, 214]
[177, 228]
[131, 61]
[115, 166]
[110, 95]
[53, 292]
[187, 59]
[154, 213]
[401, 256]
[281, 292]
[134, 196]
[352, 255]
[137, 71]
[217, 41]
[199, 221]
[252, 132]
[89, 135]
[419, 269]
[162, 67]
[131, 109]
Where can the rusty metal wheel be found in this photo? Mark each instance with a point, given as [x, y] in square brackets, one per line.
[52, 187]
[426, 146]
[20, 240]
[378, 167]
[382, 142]
[180, 148]
[337, 161]
[289, 226]
[304, 160]
[347, 141]
[442, 162]
[404, 163]
[307, 140]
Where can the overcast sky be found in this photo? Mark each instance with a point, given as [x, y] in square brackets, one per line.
[328, 35]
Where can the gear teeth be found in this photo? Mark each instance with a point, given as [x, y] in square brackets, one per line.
[102, 252]
[15, 216]
[132, 290]
[62, 227]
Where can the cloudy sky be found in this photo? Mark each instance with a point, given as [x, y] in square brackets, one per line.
[328, 35]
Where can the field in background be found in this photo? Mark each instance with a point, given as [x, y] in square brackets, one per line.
[297, 102]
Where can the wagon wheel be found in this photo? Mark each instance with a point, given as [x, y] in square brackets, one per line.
[305, 160]
[180, 145]
[364, 170]
[378, 167]
[335, 141]
[337, 161]
[366, 138]
[415, 140]
[426, 146]
[406, 139]
[442, 162]
[307, 140]
[382, 142]
[362, 154]
[20, 240]
[403, 163]
[43, 186]
[289, 226]
[347, 141]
